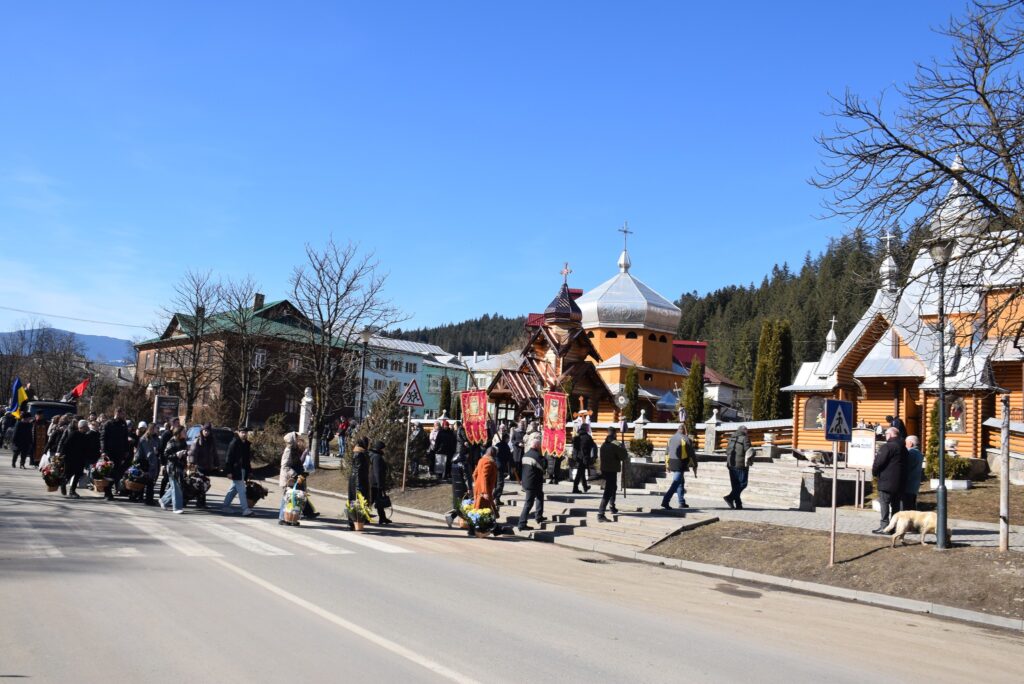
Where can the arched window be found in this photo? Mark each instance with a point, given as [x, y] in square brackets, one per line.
[611, 334]
[631, 335]
[814, 413]
[652, 337]
[663, 339]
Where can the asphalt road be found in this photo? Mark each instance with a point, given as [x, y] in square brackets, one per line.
[97, 592]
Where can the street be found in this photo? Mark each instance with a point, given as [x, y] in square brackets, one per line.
[94, 591]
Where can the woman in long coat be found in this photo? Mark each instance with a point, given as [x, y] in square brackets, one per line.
[359, 479]
[291, 468]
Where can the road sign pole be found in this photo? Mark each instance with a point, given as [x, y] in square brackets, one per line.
[835, 485]
[408, 429]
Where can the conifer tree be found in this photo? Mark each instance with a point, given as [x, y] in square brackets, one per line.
[784, 376]
[767, 363]
[632, 391]
[386, 423]
[693, 396]
[445, 402]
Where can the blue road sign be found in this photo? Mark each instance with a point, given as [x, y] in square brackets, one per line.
[838, 420]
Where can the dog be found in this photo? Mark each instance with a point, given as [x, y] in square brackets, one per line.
[913, 521]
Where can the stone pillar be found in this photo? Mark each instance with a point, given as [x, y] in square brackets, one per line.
[639, 424]
[306, 412]
[711, 432]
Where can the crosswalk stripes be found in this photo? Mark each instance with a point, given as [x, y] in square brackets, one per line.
[299, 538]
[176, 541]
[35, 544]
[243, 541]
[359, 540]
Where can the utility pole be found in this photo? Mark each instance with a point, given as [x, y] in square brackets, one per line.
[1004, 478]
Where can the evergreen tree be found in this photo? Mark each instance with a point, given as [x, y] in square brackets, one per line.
[693, 396]
[784, 402]
[632, 391]
[386, 422]
[446, 396]
[931, 452]
[765, 396]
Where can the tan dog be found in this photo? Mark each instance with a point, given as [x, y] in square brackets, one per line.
[913, 521]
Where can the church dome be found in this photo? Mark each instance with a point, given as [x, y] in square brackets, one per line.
[625, 302]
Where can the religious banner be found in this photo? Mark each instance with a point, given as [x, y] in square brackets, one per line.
[553, 436]
[474, 415]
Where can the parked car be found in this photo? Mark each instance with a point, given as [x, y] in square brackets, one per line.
[49, 409]
[222, 437]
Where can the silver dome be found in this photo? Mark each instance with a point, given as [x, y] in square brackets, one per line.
[625, 302]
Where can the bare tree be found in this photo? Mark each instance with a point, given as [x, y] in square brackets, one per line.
[252, 355]
[341, 293]
[190, 355]
[59, 362]
[952, 152]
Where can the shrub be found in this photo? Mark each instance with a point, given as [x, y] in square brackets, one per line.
[268, 443]
[641, 447]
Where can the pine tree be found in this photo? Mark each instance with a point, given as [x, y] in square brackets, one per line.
[767, 364]
[632, 391]
[931, 453]
[386, 423]
[693, 396]
[784, 376]
[446, 395]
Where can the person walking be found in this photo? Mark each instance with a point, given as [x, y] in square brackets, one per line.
[23, 441]
[890, 469]
[114, 445]
[534, 469]
[147, 458]
[679, 456]
[79, 449]
[583, 455]
[459, 484]
[202, 456]
[40, 436]
[291, 469]
[503, 459]
[445, 446]
[237, 466]
[379, 481]
[359, 476]
[738, 463]
[516, 441]
[611, 456]
[175, 455]
[166, 437]
[485, 481]
[915, 473]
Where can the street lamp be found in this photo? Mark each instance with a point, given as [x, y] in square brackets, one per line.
[941, 249]
[366, 335]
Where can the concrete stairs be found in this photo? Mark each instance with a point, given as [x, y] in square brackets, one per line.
[771, 485]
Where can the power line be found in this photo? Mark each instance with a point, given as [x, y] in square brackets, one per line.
[72, 318]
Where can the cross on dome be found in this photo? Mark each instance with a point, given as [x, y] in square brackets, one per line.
[624, 261]
[626, 232]
[833, 321]
[888, 237]
[565, 272]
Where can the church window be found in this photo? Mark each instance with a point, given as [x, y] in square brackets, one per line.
[652, 337]
[648, 377]
[663, 339]
[955, 414]
[814, 414]
[631, 335]
[611, 334]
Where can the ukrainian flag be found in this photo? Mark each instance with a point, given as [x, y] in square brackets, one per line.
[18, 397]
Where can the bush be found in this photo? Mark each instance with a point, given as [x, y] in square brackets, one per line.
[956, 468]
[268, 443]
[641, 447]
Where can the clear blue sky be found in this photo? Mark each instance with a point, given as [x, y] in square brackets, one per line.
[474, 146]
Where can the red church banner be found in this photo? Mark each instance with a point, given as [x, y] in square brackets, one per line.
[556, 406]
[474, 415]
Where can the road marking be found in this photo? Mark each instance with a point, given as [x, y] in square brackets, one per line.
[360, 540]
[121, 552]
[243, 541]
[172, 539]
[35, 543]
[299, 538]
[362, 632]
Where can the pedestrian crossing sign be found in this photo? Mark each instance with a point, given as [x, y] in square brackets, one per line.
[838, 420]
[411, 397]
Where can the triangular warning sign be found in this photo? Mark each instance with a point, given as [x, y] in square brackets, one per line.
[839, 426]
[411, 396]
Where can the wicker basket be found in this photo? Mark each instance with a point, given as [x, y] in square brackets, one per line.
[292, 516]
[99, 485]
[482, 535]
[252, 502]
[52, 488]
[358, 525]
[134, 486]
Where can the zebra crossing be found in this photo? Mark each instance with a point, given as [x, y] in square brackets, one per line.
[134, 535]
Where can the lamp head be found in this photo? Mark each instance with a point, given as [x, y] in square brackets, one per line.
[940, 249]
[366, 335]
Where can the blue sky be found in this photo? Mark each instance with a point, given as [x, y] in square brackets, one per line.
[474, 146]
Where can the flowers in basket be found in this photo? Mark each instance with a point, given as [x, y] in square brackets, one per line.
[359, 510]
[481, 519]
[102, 468]
[294, 502]
[136, 474]
[53, 473]
[195, 483]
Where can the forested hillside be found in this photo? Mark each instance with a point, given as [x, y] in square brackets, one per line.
[840, 282]
[489, 333]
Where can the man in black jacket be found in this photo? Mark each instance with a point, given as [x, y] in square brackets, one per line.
[583, 454]
[899, 425]
[238, 466]
[534, 468]
[23, 443]
[444, 445]
[379, 481]
[503, 457]
[114, 444]
[611, 457]
[165, 437]
[890, 469]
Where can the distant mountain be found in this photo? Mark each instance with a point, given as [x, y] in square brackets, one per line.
[112, 350]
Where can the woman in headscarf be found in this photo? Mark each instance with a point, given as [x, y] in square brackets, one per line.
[359, 477]
[291, 469]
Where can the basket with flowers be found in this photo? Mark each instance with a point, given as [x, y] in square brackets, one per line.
[193, 484]
[101, 474]
[480, 520]
[359, 511]
[294, 502]
[254, 491]
[134, 479]
[53, 474]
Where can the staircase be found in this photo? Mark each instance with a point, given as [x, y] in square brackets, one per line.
[771, 484]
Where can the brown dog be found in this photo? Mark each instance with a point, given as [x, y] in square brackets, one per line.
[913, 521]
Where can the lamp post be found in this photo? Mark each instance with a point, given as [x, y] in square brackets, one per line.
[941, 249]
[365, 336]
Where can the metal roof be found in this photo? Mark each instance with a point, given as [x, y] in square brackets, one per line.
[625, 302]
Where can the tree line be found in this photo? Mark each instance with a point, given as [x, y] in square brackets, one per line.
[489, 333]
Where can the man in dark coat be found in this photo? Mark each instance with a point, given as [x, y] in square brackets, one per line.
[238, 466]
[460, 484]
[23, 442]
[583, 454]
[114, 444]
[535, 466]
[445, 445]
[359, 478]
[165, 437]
[78, 451]
[379, 481]
[610, 459]
[518, 448]
[899, 425]
[890, 469]
[739, 466]
[503, 459]
[203, 455]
